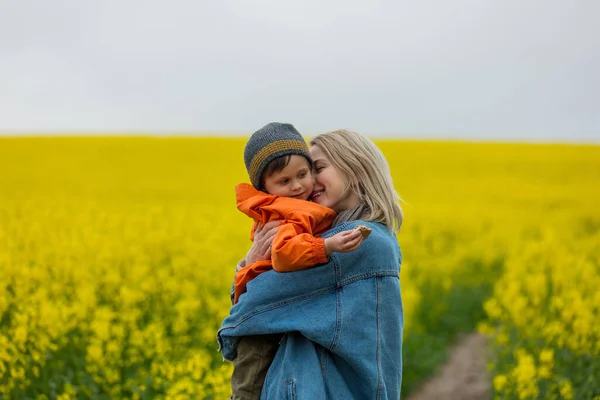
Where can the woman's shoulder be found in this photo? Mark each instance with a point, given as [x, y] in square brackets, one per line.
[378, 253]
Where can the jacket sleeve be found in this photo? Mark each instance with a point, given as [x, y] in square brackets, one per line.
[279, 303]
[294, 250]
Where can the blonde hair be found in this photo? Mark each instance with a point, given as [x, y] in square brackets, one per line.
[367, 174]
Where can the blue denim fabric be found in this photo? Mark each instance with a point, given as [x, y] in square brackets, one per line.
[344, 320]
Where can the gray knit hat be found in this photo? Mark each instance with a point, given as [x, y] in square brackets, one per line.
[268, 143]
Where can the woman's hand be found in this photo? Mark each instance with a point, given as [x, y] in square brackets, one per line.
[263, 238]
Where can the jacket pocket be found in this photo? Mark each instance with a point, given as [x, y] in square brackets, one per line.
[290, 389]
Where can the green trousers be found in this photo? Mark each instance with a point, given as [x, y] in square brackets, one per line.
[254, 356]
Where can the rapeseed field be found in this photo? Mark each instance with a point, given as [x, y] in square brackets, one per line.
[117, 255]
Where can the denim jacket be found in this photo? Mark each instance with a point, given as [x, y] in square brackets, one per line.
[344, 321]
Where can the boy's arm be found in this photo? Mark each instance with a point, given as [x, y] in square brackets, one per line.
[293, 249]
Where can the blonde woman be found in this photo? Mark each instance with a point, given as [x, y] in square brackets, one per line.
[343, 320]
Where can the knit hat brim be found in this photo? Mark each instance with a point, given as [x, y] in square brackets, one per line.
[272, 151]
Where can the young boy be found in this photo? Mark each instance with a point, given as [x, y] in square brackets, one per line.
[280, 169]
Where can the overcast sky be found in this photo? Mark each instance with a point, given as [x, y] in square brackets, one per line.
[472, 69]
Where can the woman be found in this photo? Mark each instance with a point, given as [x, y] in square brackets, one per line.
[343, 319]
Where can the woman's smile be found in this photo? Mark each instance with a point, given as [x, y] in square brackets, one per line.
[316, 193]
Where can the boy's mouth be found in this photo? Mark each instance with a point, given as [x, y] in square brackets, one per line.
[297, 196]
[316, 194]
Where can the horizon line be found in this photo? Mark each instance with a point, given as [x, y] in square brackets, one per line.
[238, 135]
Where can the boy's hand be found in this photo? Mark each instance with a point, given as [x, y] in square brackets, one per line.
[343, 242]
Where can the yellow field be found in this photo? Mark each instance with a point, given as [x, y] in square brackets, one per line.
[117, 254]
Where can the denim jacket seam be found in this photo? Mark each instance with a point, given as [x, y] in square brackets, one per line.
[366, 275]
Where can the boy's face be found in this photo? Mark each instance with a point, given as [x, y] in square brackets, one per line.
[295, 180]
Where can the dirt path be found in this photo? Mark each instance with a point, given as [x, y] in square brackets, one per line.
[463, 377]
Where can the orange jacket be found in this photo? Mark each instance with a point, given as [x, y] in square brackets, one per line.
[296, 245]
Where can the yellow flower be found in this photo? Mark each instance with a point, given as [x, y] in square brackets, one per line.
[544, 371]
[547, 356]
[121, 250]
[499, 382]
[566, 390]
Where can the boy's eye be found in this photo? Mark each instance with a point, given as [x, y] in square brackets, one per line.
[283, 181]
[303, 174]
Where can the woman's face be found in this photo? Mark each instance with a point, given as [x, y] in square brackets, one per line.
[329, 184]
